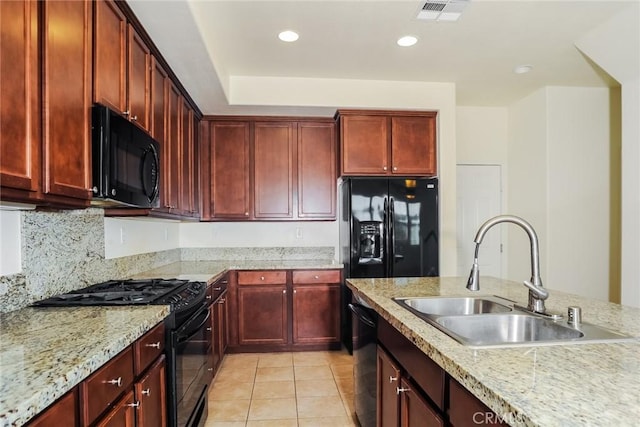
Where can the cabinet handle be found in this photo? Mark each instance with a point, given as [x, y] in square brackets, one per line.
[384, 168]
[210, 369]
[402, 390]
[153, 345]
[209, 329]
[225, 282]
[392, 379]
[134, 404]
[295, 291]
[147, 392]
[261, 277]
[284, 291]
[246, 214]
[217, 289]
[126, 113]
[222, 300]
[134, 118]
[117, 382]
[395, 168]
[316, 277]
[208, 297]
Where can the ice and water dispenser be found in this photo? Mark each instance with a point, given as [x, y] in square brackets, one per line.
[371, 249]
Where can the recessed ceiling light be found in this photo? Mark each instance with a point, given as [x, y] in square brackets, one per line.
[407, 41]
[523, 69]
[288, 36]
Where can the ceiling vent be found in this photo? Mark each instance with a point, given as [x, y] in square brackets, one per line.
[442, 10]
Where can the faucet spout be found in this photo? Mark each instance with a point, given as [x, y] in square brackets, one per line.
[537, 294]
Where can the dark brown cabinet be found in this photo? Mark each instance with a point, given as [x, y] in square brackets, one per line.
[110, 59]
[63, 412]
[173, 156]
[388, 402]
[187, 205]
[228, 170]
[67, 107]
[382, 143]
[20, 152]
[316, 170]
[273, 171]
[278, 310]
[122, 65]
[262, 308]
[316, 294]
[269, 169]
[123, 413]
[217, 331]
[150, 394]
[45, 140]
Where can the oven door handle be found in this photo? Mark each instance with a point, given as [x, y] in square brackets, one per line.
[183, 336]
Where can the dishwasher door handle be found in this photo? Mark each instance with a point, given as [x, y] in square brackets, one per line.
[361, 312]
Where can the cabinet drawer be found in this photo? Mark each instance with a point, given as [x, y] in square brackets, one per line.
[316, 276]
[216, 289]
[104, 386]
[64, 410]
[148, 347]
[262, 277]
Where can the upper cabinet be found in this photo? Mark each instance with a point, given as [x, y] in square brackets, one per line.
[265, 168]
[382, 143]
[45, 121]
[122, 65]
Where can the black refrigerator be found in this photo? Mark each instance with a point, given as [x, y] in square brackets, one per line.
[388, 228]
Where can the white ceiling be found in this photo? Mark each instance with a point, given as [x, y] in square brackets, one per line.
[208, 42]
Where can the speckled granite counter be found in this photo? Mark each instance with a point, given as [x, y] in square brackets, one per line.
[211, 270]
[569, 385]
[45, 352]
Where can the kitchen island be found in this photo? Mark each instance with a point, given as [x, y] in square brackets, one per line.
[553, 385]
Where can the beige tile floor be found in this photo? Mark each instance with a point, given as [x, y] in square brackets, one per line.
[300, 389]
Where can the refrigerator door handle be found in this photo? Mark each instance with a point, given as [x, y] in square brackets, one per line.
[392, 237]
[385, 237]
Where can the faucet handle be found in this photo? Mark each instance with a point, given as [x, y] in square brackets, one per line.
[540, 292]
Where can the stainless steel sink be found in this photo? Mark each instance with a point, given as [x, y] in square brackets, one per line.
[510, 328]
[454, 306]
[496, 322]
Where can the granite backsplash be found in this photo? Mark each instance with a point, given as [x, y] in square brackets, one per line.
[63, 251]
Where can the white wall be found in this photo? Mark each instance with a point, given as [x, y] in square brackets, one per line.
[615, 46]
[558, 177]
[578, 196]
[124, 237]
[10, 243]
[527, 178]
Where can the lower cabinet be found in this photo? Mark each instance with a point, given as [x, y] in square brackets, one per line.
[63, 412]
[122, 415]
[279, 310]
[414, 391]
[218, 324]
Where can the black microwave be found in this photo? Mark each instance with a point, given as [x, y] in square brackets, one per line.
[126, 166]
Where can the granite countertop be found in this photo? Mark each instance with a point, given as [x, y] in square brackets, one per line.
[46, 351]
[210, 271]
[558, 385]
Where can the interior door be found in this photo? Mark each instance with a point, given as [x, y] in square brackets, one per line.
[479, 197]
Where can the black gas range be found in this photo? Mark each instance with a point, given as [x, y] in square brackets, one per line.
[186, 349]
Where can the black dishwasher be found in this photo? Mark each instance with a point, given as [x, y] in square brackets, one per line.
[364, 324]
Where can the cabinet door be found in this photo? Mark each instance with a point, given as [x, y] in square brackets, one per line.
[220, 331]
[158, 124]
[110, 56]
[316, 314]
[20, 155]
[229, 180]
[139, 79]
[262, 314]
[388, 401]
[123, 413]
[316, 170]
[273, 170]
[187, 172]
[364, 142]
[62, 412]
[67, 107]
[414, 409]
[413, 145]
[173, 168]
[150, 392]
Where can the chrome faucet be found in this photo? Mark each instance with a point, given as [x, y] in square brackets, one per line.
[537, 294]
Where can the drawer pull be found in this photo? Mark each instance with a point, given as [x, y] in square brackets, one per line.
[210, 369]
[217, 289]
[153, 345]
[209, 329]
[147, 392]
[392, 379]
[208, 297]
[316, 277]
[117, 382]
[261, 277]
[402, 390]
[134, 404]
[222, 300]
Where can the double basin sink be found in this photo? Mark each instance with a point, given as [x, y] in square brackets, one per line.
[493, 321]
